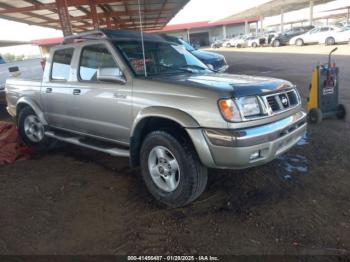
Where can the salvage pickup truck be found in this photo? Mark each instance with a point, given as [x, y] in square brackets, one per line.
[154, 102]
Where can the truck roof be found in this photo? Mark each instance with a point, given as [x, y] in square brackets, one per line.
[117, 35]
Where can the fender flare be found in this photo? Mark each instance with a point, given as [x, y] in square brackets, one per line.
[33, 105]
[176, 115]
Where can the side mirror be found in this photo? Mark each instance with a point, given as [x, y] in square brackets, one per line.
[111, 74]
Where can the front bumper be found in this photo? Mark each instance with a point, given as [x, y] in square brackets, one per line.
[244, 148]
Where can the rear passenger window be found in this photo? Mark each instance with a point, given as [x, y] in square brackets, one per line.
[92, 58]
[61, 64]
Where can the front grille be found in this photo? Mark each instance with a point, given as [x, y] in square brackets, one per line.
[282, 101]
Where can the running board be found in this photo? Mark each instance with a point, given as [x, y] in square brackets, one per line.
[76, 140]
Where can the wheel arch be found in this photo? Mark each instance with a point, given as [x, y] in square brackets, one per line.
[24, 101]
[157, 118]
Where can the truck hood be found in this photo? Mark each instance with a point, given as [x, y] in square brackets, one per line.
[238, 85]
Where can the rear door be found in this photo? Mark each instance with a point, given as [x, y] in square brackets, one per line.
[57, 88]
[101, 108]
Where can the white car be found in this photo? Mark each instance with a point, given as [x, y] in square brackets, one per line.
[337, 36]
[314, 36]
[238, 41]
[253, 41]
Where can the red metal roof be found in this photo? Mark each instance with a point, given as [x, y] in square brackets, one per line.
[48, 41]
[205, 24]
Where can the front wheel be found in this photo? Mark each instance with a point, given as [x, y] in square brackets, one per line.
[171, 170]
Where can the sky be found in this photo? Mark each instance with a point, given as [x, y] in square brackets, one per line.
[194, 11]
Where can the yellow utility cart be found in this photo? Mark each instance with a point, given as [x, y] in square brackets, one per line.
[323, 100]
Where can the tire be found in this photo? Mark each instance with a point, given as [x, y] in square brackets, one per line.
[189, 177]
[255, 45]
[228, 45]
[276, 43]
[341, 112]
[32, 130]
[330, 41]
[299, 42]
[239, 46]
[315, 116]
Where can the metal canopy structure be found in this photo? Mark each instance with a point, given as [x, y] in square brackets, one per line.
[6, 43]
[279, 7]
[83, 15]
[275, 7]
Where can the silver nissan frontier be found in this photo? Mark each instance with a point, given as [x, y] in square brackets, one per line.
[152, 101]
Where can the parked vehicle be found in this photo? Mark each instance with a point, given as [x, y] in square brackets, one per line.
[2, 86]
[336, 37]
[2, 60]
[284, 38]
[236, 41]
[314, 36]
[214, 61]
[217, 44]
[162, 108]
[253, 41]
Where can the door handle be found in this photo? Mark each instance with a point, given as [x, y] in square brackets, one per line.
[76, 92]
[48, 90]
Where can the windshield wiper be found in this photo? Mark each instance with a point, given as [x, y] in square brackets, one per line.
[181, 69]
[194, 67]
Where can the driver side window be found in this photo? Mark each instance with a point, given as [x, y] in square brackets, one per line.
[94, 57]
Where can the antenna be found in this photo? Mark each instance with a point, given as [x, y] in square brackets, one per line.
[142, 41]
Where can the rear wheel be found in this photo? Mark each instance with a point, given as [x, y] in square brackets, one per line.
[299, 42]
[31, 129]
[228, 45]
[341, 112]
[171, 170]
[330, 41]
[255, 45]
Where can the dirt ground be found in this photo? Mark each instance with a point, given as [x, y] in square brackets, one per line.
[76, 201]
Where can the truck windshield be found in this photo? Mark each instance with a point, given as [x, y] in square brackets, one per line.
[161, 58]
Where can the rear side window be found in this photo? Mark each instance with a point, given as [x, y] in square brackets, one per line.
[61, 64]
[92, 58]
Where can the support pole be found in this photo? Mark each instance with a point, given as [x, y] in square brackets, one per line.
[94, 15]
[348, 16]
[224, 34]
[108, 22]
[262, 25]
[311, 18]
[246, 29]
[63, 15]
[257, 28]
[188, 36]
[282, 21]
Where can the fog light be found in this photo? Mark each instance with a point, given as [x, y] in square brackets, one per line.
[255, 155]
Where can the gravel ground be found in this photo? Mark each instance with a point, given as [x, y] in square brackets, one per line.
[75, 201]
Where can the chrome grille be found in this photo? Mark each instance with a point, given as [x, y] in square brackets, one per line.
[282, 101]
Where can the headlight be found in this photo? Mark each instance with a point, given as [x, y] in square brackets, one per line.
[233, 110]
[229, 110]
[249, 106]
